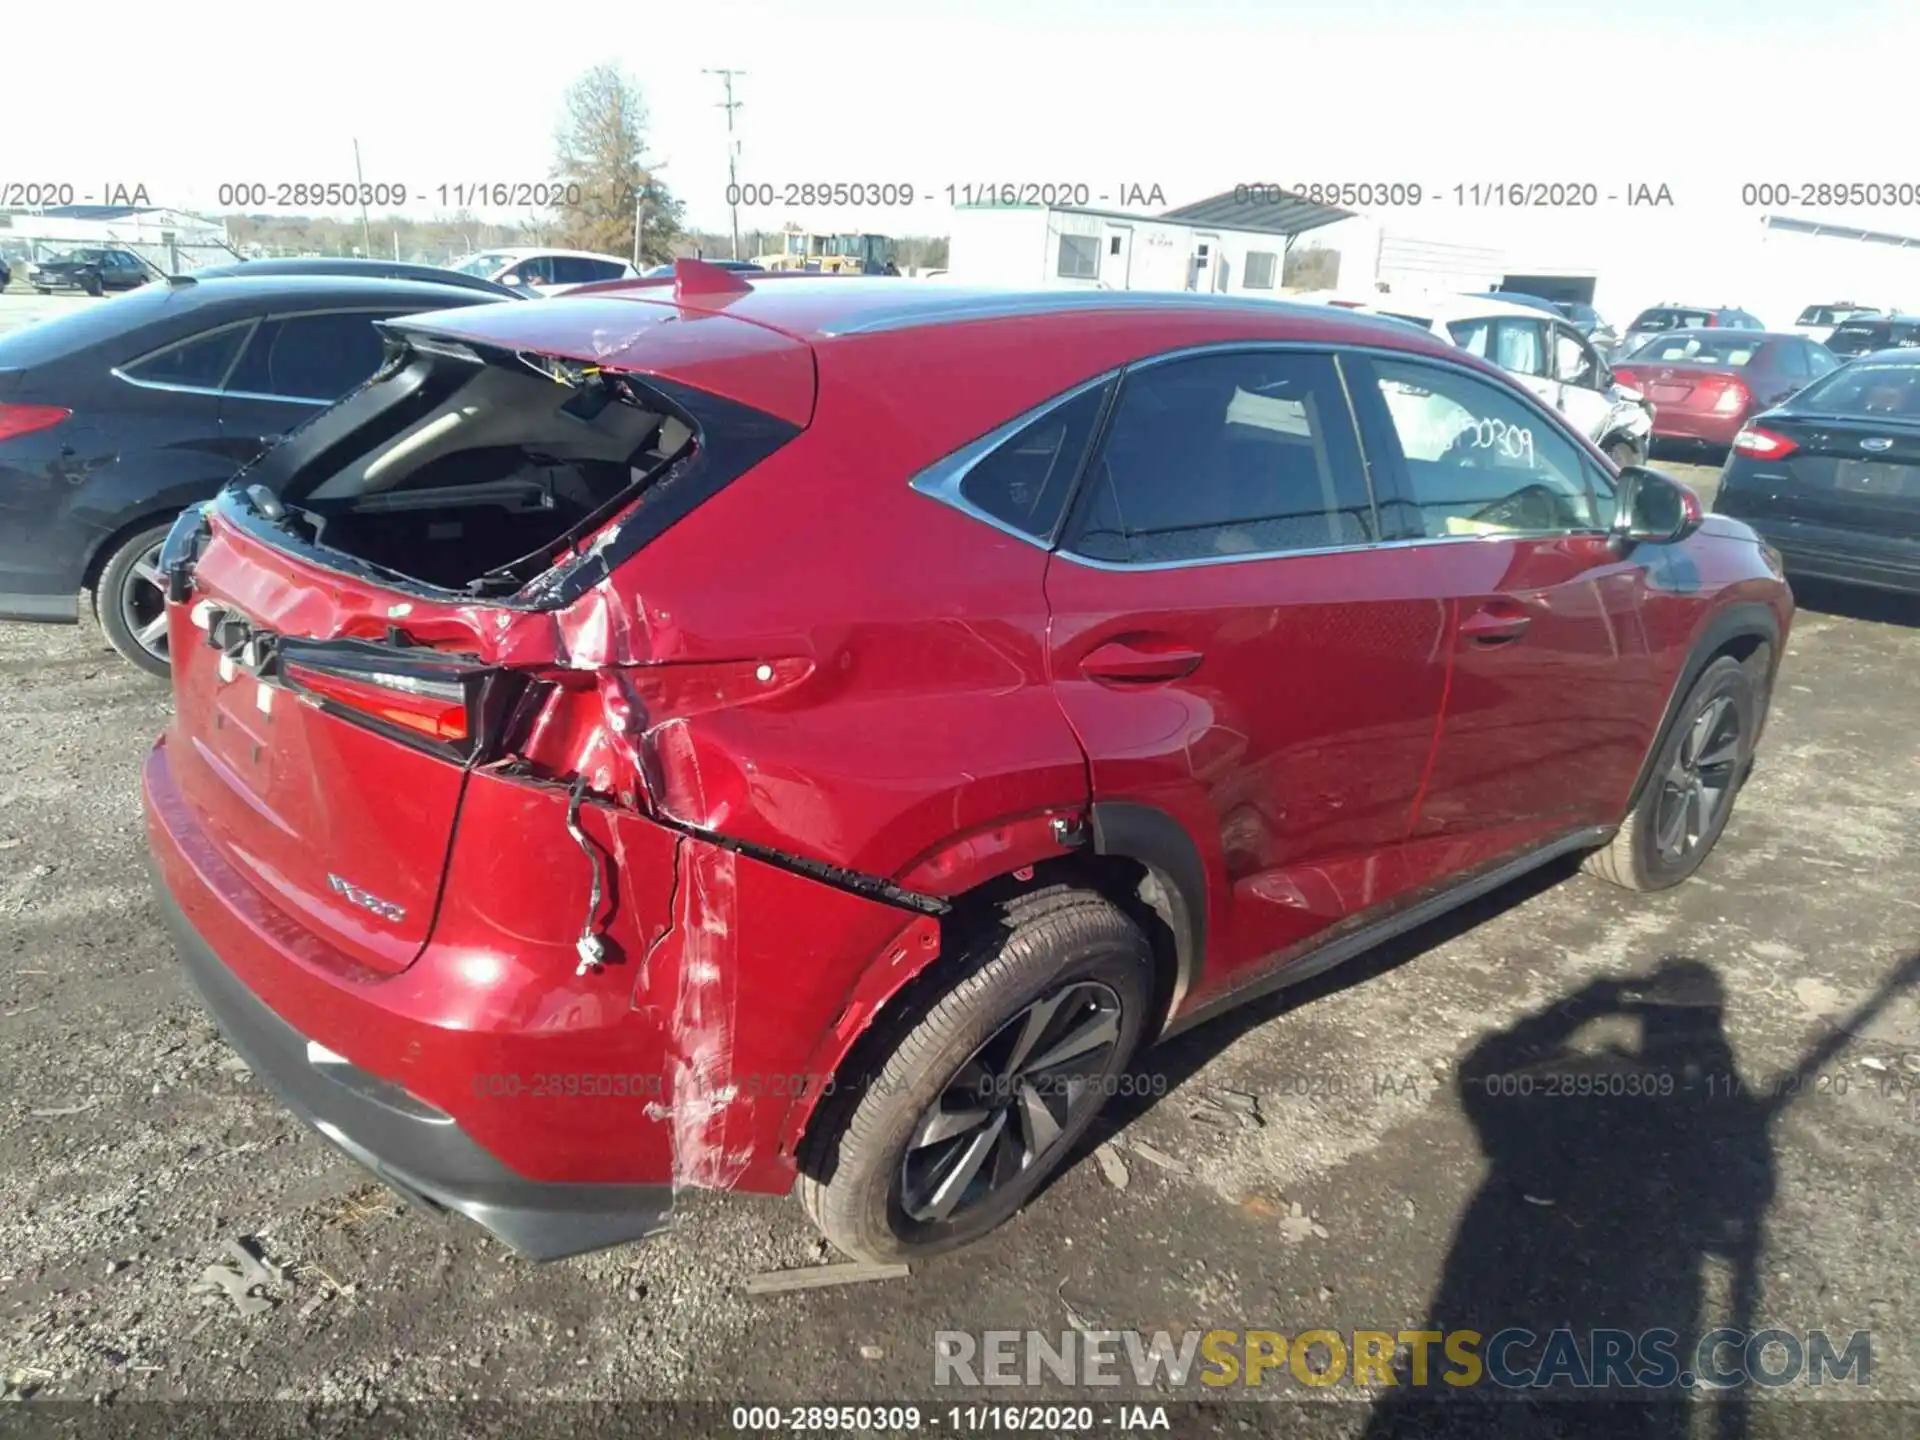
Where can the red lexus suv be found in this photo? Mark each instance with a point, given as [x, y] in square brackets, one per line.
[765, 733]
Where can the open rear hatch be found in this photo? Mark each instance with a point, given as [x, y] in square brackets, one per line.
[382, 602]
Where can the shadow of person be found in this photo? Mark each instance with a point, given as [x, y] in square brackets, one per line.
[1625, 1159]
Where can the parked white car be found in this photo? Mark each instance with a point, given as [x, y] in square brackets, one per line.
[1818, 322]
[1545, 353]
[545, 272]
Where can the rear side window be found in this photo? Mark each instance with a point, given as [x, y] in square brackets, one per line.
[310, 357]
[1225, 455]
[1024, 483]
[200, 363]
[1479, 461]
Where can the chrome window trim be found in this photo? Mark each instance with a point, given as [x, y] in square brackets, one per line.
[942, 480]
[119, 372]
[1130, 565]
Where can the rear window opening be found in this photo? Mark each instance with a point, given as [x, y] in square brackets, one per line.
[482, 480]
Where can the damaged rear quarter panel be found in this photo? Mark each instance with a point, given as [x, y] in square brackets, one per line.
[927, 710]
[723, 975]
[748, 990]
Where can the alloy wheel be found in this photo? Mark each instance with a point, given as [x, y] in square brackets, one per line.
[1697, 788]
[143, 603]
[1010, 1105]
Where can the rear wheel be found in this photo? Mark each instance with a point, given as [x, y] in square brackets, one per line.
[130, 601]
[1690, 793]
[985, 1089]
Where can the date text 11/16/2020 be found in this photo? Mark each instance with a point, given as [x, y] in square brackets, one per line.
[1471, 195]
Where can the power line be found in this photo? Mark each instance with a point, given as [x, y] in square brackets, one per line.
[733, 153]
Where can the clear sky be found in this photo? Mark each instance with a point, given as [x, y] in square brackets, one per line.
[1191, 95]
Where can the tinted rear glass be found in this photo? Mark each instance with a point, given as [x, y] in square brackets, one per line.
[1857, 337]
[89, 325]
[1865, 389]
[1667, 319]
[1700, 349]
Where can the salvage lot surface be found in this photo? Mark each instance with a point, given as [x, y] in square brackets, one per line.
[133, 1147]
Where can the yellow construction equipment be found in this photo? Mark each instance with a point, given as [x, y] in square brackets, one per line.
[832, 254]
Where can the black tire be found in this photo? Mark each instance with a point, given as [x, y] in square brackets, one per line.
[1698, 758]
[1047, 948]
[92, 285]
[121, 617]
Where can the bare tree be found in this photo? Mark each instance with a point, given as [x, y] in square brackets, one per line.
[601, 160]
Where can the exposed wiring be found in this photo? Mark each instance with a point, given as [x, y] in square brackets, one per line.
[591, 948]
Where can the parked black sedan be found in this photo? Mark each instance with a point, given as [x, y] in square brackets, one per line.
[1831, 478]
[117, 416]
[91, 270]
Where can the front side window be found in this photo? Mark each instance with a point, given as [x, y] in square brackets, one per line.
[1080, 257]
[310, 357]
[200, 363]
[1225, 455]
[1473, 336]
[1517, 347]
[1574, 362]
[1479, 461]
[1260, 267]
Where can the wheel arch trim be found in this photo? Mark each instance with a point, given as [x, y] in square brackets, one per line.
[1151, 836]
[1746, 620]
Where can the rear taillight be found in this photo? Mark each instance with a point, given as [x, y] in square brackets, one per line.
[25, 419]
[1732, 399]
[1763, 444]
[1629, 378]
[1712, 321]
[445, 703]
[433, 708]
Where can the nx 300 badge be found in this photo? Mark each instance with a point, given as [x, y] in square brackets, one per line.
[354, 895]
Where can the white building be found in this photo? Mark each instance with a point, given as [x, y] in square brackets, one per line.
[1620, 258]
[1228, 245]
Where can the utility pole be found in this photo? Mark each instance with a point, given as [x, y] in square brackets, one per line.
[366, 230]
[733, 153]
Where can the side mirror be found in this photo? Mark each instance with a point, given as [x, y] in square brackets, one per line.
[1652, 508]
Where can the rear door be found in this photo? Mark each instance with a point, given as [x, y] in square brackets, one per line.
[1237, 653]
[1552, 690]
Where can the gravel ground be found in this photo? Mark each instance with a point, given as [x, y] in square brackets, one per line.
[134, 1148]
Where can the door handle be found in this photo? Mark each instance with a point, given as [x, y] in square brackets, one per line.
[1120, 662]
[1491, 626]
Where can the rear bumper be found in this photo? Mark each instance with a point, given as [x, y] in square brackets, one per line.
[412, 1144]
[415, 1148]
[1851, 557]
[1708, 429]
